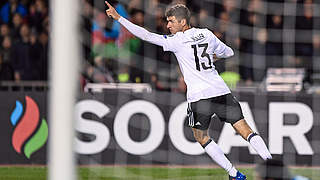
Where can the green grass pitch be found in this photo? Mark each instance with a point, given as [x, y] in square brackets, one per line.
[140, 173]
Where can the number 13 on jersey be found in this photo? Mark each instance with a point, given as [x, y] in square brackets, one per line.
[204, 55]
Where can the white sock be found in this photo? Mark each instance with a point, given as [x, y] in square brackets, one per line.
[258, 144]
[216, 154]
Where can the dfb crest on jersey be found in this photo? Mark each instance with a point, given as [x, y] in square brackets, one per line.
[166, 36]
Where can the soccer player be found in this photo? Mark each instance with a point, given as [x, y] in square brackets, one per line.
[207, 94]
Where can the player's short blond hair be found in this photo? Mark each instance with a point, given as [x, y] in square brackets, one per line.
[179, 11]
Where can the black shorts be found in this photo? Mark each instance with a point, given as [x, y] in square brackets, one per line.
[226, 107]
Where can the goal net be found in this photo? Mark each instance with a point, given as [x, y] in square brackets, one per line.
[132, 107]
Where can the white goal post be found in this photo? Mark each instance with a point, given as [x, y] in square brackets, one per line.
[64, 64]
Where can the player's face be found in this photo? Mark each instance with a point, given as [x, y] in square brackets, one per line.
[174, 25]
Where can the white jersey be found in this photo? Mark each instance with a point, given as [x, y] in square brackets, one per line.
[194, 49]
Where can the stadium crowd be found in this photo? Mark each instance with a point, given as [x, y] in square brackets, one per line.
[256, 31]
[24, 27]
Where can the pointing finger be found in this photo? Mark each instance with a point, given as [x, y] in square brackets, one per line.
[109, 5]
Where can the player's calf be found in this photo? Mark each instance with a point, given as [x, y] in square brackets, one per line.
[253, 138]
[214, 151]
[242, 128]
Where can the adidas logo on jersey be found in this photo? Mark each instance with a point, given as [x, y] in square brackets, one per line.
[198, 124]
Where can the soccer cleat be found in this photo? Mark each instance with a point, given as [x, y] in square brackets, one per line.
[239, 176]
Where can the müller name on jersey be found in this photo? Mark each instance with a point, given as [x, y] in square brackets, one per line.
[198, 37]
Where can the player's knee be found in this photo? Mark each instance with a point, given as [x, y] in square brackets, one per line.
[202, 139]
[200, 136]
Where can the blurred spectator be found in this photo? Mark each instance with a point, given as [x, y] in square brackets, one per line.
[252, 64]
[38, 56]
[303, 47]
[86, 27]
[6, 71]
[6, 50]
[161, 21]
[41, 7]
[45, 24]
[21, 57]
[16, 25]
[164, 79]
[255, 6]
[105, 31]
[246, 69]
[224, 22]
[43, 56]
[305, 21]
[229, 5]
[99, 30]
[99, 63]
[315, 78]
[179, 2]
[163, 59]
[254, 19]
[274, 49]
[134, 45]
[259, 58]
[316, 44]
[126, 39]
[104, 45]
[204, 19]
[98, 73]
[135, 4]
[104, 28]
[4, 31]
[10, 8]
[274, 21]
[37, 13]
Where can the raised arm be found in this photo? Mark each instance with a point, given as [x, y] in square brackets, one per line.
[136, 30]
